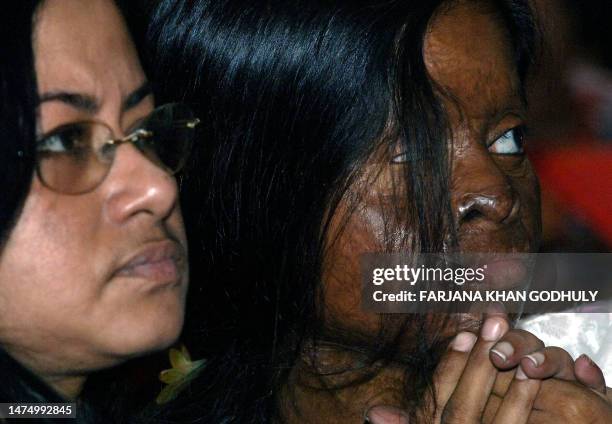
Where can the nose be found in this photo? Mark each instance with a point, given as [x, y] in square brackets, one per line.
[137, 186]
[482, 191]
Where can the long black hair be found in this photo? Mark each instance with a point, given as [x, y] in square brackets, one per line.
[295, 96]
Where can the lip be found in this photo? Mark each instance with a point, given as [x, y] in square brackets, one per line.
[159, 262]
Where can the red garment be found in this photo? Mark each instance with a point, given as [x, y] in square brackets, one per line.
[581, 177]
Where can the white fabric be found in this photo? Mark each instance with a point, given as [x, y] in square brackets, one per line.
[577, 333]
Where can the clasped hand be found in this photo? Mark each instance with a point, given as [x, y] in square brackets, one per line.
[508, 376]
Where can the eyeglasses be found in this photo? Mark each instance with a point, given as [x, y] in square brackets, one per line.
[76, 158]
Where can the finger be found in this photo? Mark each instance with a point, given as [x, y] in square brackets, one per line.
[502, 382]
[451, 367]
[513, 346]
[588, 373]
[493, 405]
[549, 362]
[518, 402]
[473, 389]
[384, 414]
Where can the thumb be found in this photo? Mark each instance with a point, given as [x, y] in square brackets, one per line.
[386, 415]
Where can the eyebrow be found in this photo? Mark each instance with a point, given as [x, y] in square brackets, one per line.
[137, 96]
[89, 104]
[513, 100]
[78, 101]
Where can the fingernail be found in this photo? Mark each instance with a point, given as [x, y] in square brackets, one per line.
[520, 374]
[589, 360]
[386, 415]
[536, 357]
[463, 342]
[492, 329]
[503, 349]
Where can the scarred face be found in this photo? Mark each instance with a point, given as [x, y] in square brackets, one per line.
[494, 191]
[495, 202]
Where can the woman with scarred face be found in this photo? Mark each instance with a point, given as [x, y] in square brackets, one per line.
[93, 267]
[337, 128]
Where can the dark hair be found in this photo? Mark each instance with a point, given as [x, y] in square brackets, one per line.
[18, 96]
[295, 95]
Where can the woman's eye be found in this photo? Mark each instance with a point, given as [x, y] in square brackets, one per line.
[69, 140]
[510, 143]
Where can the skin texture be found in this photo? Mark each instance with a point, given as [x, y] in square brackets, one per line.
[495, 201]
[495, 197]
[64, 310]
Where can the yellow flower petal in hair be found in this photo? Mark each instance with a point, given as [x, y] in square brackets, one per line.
[180, 375]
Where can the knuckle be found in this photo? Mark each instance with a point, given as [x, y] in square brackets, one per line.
[564, 354]
[527, 340]
[533, 340]
[558, 354]
[578, 410]
[572, 412]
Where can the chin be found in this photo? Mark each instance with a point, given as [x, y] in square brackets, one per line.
[136, 343]
[144, 329]
[163, 336]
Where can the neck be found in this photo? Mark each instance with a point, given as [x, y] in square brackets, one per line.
[335, 385]
[67, 385]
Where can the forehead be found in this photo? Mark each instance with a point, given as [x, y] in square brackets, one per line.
[84, 45]
[468, 53]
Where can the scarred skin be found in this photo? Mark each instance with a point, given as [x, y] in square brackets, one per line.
[495, 200]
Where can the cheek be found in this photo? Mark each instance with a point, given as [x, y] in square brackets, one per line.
[371, 218]
[47, 256]
[41, 227]
[342, 279]
[376, 226]
[532, 215]
[525, 183]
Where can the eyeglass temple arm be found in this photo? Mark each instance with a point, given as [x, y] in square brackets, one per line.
[142, 133]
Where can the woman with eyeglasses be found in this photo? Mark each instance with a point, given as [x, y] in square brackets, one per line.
[337, 128]
[93, 253]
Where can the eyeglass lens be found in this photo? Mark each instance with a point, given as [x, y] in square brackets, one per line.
[75, 158]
